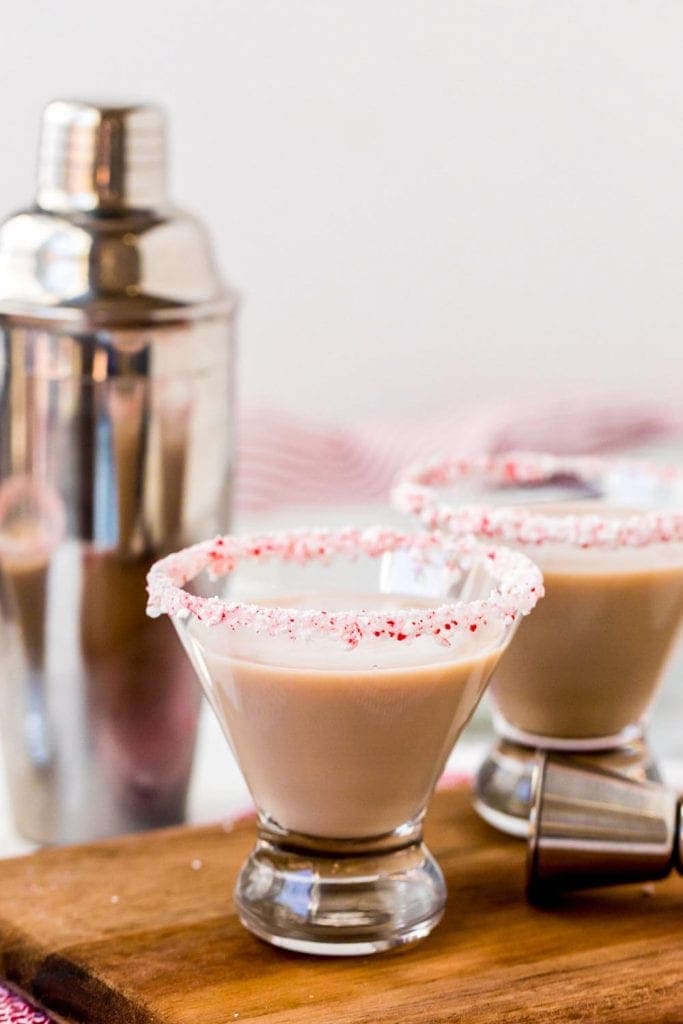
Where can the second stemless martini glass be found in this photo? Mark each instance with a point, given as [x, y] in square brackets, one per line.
[342, 675]
[583, 673]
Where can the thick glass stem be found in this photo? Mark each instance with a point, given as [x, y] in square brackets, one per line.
[340, 898]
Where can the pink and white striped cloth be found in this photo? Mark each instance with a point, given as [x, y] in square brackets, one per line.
[15, 1010]
[285, 458]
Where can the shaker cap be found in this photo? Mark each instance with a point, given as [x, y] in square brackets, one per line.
[95, 156]
[102, 245]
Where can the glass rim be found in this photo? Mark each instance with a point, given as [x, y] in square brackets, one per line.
[519, 585]
[416, 494]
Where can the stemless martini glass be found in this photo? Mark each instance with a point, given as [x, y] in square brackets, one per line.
[342, 666]
[583, 673]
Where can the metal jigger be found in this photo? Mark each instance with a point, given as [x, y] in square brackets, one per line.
[591, 827]
[503, 785]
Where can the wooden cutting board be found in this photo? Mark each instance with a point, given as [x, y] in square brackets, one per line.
[142, 930]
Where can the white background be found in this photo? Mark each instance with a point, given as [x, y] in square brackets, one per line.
[421, 201]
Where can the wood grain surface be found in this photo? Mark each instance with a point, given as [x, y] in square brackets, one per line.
[142, 930]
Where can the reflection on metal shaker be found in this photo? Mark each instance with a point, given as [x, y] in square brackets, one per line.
[116, 409]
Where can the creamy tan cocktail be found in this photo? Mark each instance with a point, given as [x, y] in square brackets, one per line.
[589, 662]
[583, 672]
[341, 700]
[344, 746]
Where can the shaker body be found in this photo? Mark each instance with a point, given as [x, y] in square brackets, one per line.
[115, 446]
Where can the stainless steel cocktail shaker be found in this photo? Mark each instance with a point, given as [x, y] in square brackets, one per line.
[116, 416]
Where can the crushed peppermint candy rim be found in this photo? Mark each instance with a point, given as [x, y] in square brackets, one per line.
[417, 494]
[518, 585]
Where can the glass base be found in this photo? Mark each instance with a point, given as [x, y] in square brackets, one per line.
[358, 900]
[562, 744]
[503, 784]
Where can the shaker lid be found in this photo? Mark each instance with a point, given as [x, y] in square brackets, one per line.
[102, 245]
[95, 156]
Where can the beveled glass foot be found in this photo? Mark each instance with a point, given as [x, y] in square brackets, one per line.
[344, 904]
[503, 787]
